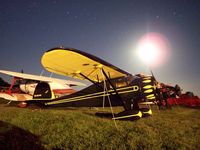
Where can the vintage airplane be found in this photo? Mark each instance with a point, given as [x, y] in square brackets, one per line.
[111, 85]
[28, 87]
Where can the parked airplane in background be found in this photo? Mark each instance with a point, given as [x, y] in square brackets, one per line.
[28, 87]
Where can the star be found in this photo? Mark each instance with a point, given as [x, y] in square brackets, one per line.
[68, 12]
[157, 17]
[54, 2]
[174, 13]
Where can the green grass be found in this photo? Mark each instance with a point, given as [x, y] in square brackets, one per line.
[79, 128]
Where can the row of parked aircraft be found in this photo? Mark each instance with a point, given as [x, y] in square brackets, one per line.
[111, 86]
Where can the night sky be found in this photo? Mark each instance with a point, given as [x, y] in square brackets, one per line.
[109, 29]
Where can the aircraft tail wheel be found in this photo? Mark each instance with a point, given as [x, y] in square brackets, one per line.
[128, 115]
[146, 112]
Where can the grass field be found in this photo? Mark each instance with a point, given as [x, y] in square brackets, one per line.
[79, 128]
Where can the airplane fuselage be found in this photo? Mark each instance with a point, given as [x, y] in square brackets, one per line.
[123, 91]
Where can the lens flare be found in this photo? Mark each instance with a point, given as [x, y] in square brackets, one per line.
[153, 49]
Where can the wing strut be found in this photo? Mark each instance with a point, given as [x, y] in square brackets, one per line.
[105, 75]
[11, 86]
[90, 80]
[107, 78]
[110, 82]
[117, 94]
[106, 90]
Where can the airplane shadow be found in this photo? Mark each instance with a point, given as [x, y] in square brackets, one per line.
[15, 138]
[104, 115]
[109, 116]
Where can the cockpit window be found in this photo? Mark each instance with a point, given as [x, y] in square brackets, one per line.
[120, 82]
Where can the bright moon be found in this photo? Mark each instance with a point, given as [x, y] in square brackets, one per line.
[153, 49]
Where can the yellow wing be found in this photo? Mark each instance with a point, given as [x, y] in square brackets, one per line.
[77, 64]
